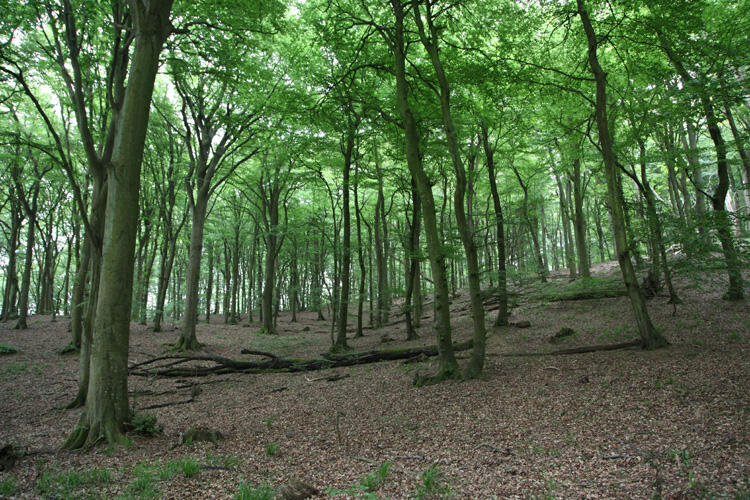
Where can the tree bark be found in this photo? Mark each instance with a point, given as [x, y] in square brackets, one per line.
[650, 337]
[448, 366]
[502, 280]
[107, 407]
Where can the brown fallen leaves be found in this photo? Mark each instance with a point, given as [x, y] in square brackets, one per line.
[625, 424]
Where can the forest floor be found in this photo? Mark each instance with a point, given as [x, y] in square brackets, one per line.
[671, 423]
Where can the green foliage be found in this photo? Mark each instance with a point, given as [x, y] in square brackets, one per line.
[145, 424]
[228, 461]
[142, 487]
[16, 367]
[8, 486]
[272, 449]
[66, 484]
[248, 492]
[367, 485]
[189, 467]
[7, 349]
[432, 485]
[584, 288]
[372, 481]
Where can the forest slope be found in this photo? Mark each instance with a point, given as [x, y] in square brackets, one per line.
[627, 423]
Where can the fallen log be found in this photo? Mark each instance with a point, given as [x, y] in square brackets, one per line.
[574, 350]
[274, 363]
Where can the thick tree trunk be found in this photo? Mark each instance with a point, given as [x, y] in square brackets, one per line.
[107, 407]
[650, 337]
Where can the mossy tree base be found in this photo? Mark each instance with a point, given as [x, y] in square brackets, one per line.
[86, 436]
[184, 344]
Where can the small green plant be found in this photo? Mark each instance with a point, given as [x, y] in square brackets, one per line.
[145, 424]
[432, 485]
[681, 456]
[15, 367]
[372, 481]
[227, 461]
[248, 492]
[272, 449]
[8, 486]
[142, 487]
[8, 349]
[267, 422]
[64, 484]
[190, 467]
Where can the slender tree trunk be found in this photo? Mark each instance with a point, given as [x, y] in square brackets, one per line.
[31, 217]
[360, 256]
[346, 250]
[188, 341]
[718, 199]
[579, 224]
[650, 337]
[412, 260]
[448, 366]
[502, 281]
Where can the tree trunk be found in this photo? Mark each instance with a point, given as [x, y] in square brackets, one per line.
[188, 341]
[448, 366]
[346, 257]
[650, 337]
[718, 199]
[107, 407]
[360, 256]
[502, 281]
[579, 224]
[412, 260]
[31, 217]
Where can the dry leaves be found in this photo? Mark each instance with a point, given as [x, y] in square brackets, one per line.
[625, 424]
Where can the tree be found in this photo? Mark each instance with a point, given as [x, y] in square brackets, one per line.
[650, 337]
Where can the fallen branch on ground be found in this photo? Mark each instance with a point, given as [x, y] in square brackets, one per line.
[274, 363]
